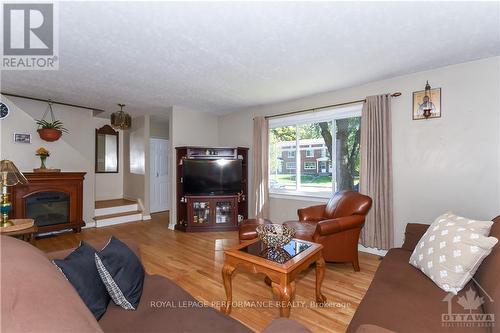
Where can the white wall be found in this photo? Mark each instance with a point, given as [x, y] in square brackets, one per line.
[110, 185]
[451, 163]
[192, 128]
[159, 127]
[73, 152]
[134, 160]
[189, 128]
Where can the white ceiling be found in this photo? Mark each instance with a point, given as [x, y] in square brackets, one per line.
[224, 57]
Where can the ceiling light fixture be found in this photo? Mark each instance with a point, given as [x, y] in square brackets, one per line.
[121, 119]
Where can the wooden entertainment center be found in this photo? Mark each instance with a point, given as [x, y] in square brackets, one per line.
[211, 212]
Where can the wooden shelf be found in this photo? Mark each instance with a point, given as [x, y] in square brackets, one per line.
[211, 156]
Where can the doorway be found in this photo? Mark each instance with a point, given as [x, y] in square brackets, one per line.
[159, 175]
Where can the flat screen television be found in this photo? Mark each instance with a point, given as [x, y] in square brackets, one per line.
[211, 177]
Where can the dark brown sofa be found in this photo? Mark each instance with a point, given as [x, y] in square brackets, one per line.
[403, 299]
[36, 297]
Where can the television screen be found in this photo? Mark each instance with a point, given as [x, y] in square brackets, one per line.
[212, 177]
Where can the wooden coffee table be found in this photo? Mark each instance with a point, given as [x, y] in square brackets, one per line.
[280, 267]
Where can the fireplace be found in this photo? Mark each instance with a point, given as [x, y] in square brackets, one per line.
[53, 199]
[48, 208]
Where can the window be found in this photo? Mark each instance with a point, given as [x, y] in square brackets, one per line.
[335, 132]
[282, 170]
[309, 165]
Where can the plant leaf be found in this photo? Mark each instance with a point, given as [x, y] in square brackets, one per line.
[56, 124]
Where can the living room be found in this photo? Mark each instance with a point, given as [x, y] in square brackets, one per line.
[205, 133]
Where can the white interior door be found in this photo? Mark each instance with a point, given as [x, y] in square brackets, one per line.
[159, 175]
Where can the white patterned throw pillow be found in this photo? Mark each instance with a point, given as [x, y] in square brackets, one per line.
[449, 219]
[452, 249]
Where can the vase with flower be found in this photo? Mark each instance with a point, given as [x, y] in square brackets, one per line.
[43, 154]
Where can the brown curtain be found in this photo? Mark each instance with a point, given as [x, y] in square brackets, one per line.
[260, 179]
[376, 171]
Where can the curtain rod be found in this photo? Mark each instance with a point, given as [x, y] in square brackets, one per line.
[53, 102]
[396, 94]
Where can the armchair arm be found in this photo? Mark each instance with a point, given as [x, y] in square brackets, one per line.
[332, 226]
[312, 213]
[413, 233]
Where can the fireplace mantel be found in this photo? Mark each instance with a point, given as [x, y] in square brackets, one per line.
[69, 183]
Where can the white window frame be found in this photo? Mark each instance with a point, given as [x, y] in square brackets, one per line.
[314, 165]
[310, 150]
[328, 115]
[294, 167]
[291, 153]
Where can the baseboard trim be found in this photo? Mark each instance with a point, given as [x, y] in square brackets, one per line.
[370, 250]
[146, 217]
[89, 225]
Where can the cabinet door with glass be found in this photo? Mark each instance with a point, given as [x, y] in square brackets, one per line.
[225, 211]
[212, 212]
[200, 210]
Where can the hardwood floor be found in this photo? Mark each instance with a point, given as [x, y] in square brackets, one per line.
[194, 261]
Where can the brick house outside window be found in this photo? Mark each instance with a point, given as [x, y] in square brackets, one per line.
[313, 157]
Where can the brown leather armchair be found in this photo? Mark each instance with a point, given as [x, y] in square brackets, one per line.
[336, 225]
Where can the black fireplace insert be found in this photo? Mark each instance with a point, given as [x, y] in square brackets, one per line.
[48, 208]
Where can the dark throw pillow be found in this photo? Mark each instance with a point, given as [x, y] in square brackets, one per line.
[122, 273]
[80, 270]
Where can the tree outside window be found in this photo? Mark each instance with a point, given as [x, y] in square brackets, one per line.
[335, 168]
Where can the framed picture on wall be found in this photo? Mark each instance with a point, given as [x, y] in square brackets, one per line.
[22, 138]
[423, 104]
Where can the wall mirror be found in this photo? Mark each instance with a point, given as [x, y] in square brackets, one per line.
[106, 150]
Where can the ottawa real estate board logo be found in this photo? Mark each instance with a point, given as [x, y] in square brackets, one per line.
[470, 301]
[30, 36]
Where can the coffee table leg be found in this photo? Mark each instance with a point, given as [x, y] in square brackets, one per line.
[268, 281]
[285, 295]
[320, 275]
[227, 272]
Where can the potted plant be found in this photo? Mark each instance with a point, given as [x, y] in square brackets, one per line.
[50, 131]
